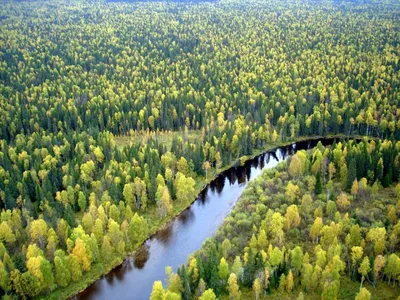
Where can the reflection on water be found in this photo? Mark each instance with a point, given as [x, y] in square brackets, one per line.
[141, 256]
[164, 235]
[219, 183]
[202, 198]
[171, 245]
[186, 217]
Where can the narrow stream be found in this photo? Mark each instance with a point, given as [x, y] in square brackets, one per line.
[134, 278]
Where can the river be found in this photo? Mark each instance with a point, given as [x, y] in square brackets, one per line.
[134, 278]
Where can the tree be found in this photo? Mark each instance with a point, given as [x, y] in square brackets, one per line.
[330, 291]
[184, 187]
[253, 243]
[98, 154]
[398, 190]
[328, 236]
[282, 283]
[223, 270]
[289, 282]
[140, 194]
[296, 165]
[172, 296]
[206, 167]
[82, 201]
[52, 243]
[257, 288]
[233, 287]
[62, 274]
[262, 240]
[114, 233]
[292, 216]
[343, 201]
[114, 213]
[276, 257]
[364, 269]
[363, 294]
[138, 229]
[237, 267]
[226, 247]
[296, 258]
[354, 188]
[392, 269]
[306, 205]
[174, 281]
[392, 214]
[6, 234]
[82, 254]
[48, 278]
[87, 223]
[276, 228]
[321, 257]
[164, 204]
[29, 285]
[354, 238]
[158, 291]
[315, 229]
[352, 173]
[183, 166]
[201, 287]
[306, 276]
[74, 268]
[356, 254]
[33, 265]
[207, 295]
[292, 191]
[106, 250]
[168, 159]
[318, 184]
[128, 195]
[379, 263]
[193, 269]
[266, 277]
[38, 232]
[331, 208]
[5, 280]
[87, 171]
[274, 137]
[377, 237]
[98, 231]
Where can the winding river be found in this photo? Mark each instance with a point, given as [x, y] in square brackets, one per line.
[134, 278]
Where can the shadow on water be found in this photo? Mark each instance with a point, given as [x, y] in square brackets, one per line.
[165, 234]
[185, 233]
[186, 217]
[141, 256]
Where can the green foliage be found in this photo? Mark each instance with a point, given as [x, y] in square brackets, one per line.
[91, 92]
[311, 254]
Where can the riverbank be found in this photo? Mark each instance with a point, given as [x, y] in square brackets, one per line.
[157, 224]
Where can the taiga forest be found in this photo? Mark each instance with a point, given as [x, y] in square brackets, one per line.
[176, 150]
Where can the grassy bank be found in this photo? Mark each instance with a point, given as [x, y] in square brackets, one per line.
[163, 137]
[151, 214]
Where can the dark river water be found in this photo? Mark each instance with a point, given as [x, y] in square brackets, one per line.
[134, 278]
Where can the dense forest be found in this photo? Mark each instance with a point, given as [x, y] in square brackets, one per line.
[87, 89]
[301, 229]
